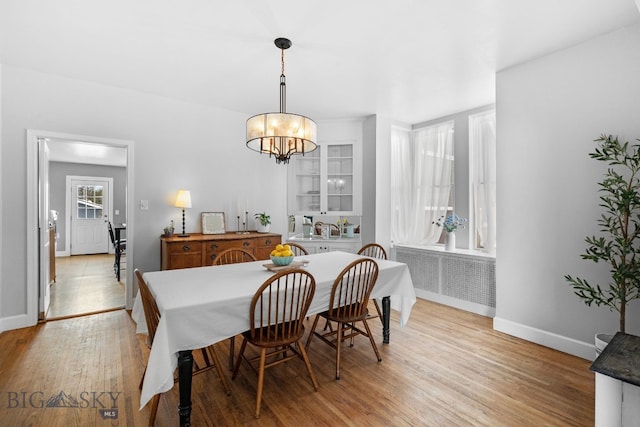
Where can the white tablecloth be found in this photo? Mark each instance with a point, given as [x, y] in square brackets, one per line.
[202, 306]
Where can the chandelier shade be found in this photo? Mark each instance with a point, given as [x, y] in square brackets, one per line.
[282, 134]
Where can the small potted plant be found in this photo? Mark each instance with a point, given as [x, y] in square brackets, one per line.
[450, 224]
[264, 222]
[168, 230]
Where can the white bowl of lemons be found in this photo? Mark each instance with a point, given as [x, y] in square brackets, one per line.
[282, 255]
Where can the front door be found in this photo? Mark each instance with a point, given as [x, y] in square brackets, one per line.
[89, 215]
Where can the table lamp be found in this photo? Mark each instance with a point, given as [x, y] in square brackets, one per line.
[183, 201]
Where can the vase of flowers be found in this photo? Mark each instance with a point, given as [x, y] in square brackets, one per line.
[450, 224]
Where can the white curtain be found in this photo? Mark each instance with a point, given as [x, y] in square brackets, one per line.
[482, 140]
[421, 182]
[401, 184]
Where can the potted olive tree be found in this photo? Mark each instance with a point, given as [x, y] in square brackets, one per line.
[264, 222]
[619, 243]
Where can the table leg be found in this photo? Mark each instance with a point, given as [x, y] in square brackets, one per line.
[386, 317]
[185, 370]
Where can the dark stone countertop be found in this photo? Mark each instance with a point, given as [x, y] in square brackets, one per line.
[620, 359]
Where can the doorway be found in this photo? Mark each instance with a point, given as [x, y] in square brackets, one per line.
[80, 150]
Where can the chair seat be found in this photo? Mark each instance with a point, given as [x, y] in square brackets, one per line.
[345, 319]
[266, 336]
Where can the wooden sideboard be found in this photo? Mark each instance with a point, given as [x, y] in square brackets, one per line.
[199, 250]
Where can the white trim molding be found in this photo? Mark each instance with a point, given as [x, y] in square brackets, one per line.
[545, 338]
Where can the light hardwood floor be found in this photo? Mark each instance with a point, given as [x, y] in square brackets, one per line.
[85, 284]
[445, 368]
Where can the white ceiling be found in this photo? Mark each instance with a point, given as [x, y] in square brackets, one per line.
[412, 60]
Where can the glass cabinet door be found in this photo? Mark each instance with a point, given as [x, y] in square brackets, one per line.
[339, 178]
[306, 183]
[324, 181]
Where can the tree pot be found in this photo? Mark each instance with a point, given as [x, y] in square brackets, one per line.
[602, 340]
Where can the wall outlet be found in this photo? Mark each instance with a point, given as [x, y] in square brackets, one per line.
[117, 212]
[144, 205]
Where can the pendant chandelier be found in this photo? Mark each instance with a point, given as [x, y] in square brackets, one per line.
[282, 134]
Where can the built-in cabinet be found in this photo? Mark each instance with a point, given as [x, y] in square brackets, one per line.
[327, 180]
[199, 250]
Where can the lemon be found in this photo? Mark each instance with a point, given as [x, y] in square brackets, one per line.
[287, 247]
[279, 247]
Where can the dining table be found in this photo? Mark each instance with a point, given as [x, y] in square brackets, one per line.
[205, 305]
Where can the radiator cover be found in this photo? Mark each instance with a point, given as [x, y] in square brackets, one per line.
[459, 276]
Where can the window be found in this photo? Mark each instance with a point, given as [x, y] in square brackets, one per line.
[90, 202]
[423, 188]
[482, 173]
[422, 163]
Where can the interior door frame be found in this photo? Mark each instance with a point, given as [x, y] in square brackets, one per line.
[44, 243]
[33, 203]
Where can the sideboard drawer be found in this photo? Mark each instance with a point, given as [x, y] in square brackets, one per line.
[181, 255]
[264, 246]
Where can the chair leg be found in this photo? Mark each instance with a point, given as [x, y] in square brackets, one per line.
[373, 343]
[375, 303]
[232, 342]
[312, 331]
[303, 352]
[263, 358]
[239, 358]
[223, 380]
[338, 347]
[117, 264]
[153, 409]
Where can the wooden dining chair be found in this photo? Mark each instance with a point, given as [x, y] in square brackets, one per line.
[298, 250]
[233, 256]
[276, 316]
[374, 250]
[347, 306]
[207, 359]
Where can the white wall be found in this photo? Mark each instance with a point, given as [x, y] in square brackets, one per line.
[549, 111]
[177, 145]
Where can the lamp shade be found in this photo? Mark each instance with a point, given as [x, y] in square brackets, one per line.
[183, 200]
[281, 134]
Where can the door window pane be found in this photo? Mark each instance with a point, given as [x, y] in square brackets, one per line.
[90, 201]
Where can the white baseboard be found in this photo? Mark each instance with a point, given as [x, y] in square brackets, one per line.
[62, 253]
[545, 338]
[472, 307]
[15, 322]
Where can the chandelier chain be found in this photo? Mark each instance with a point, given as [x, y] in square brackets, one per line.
[282, 61]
